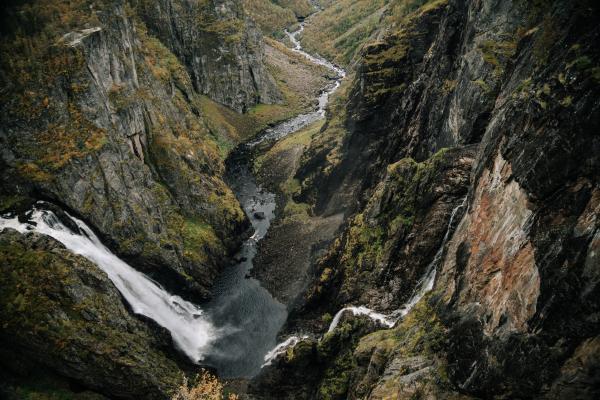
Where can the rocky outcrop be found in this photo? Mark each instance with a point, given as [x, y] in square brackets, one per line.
[61, 314]
[516, 289]
[389, 246]
[100, 117]
[222, 50]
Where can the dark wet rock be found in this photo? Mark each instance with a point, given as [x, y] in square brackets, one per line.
[516, 292]
[389, 246]
[61, 314]
[259, 215]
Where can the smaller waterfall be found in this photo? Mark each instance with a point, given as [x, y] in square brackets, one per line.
[189, 328]
[361, 310]
[424, 285]
[281, 348]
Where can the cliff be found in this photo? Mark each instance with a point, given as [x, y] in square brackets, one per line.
[495, 101]
[98, 115]
[64, 325]
[119, 119]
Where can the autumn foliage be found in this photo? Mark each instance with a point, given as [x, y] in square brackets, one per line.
[205, 387]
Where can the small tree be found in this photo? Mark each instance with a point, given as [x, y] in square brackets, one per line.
[206, 387]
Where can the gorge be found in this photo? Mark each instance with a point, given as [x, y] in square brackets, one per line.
[304, 199]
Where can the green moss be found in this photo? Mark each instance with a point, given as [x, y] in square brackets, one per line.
[199, 238]
[496, 53]
[393, 208]
[272, 18]
[483, 85]
[56, 303]
[336, 380]
[326, 319]
[341, 29]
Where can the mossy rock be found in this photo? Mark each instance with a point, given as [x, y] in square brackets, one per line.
[61, 312]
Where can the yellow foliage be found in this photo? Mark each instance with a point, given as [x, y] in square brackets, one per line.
[206, 387]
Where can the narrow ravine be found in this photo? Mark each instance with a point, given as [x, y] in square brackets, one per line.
[239, 326]
[244, 313]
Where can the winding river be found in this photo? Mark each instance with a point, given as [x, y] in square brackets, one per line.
[246, 316]
[236, 331]
[238, 328]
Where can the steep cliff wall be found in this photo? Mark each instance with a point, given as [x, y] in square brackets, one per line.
[63, 322]
[222, 51]
[106, 117]
[514, 306]
[100, 116]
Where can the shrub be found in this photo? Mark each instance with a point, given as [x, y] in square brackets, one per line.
[206, 387]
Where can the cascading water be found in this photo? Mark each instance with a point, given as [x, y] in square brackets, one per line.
[282, 348]
[361, 310]
[424, 285]
[235, 330]
[192, 332]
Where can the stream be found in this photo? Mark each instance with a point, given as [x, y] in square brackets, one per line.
[236, 332]
[238, 328]
[246, 316]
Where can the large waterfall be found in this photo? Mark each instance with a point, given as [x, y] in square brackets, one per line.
[192, 332]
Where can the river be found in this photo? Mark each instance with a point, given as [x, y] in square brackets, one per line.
[238, 327]
[245, 314]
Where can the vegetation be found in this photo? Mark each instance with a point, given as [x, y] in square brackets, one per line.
[390, 212]
[274, 16]
[205, 387]
[345, 26]
[61, 306]
[337, 32]
[270, 17]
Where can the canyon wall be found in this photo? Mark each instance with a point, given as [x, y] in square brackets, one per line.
[104, 113]
[491, 100]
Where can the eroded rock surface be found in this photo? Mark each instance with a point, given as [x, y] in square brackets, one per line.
[61, 314]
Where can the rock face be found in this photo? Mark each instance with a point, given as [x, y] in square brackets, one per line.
[512, 89]
[222, 51]
[389, 245]
[61, 313]
[103, 113]
[99, 116]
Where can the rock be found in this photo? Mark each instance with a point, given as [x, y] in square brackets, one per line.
[515, 290]
[62, 315]
[222, 50]
[259, 215]
[112, 131]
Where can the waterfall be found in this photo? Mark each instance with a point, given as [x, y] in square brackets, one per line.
[190, 329]
[282, 348]
[424, 285]
[361, 310]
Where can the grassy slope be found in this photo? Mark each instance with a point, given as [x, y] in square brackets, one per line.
[273, 16]
[344, 26]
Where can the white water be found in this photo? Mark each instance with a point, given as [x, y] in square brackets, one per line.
[190, 329]
[361, 310]
[424, 285]
[303, 120]
[281, 348]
